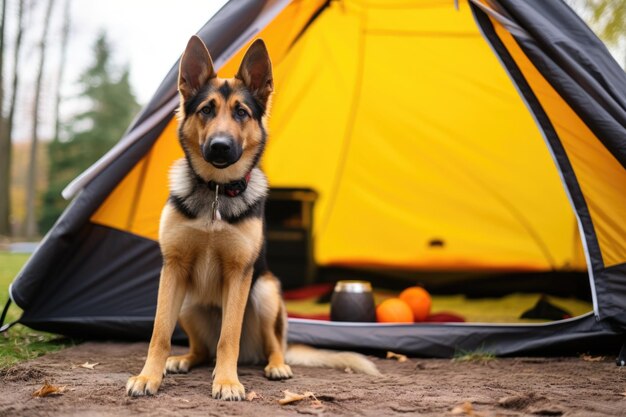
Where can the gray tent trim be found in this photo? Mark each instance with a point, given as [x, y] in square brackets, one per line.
[559, 156]
[545, 128]
[71, 286]
[451, 339]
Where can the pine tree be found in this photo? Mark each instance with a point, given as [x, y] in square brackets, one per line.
[110, 107]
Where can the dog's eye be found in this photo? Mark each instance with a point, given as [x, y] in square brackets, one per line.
[241, 113]
[206, 110]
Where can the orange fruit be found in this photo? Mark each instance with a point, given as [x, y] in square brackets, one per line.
[418, 300]
[394, 310]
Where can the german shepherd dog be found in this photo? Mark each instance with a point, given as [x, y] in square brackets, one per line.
[215, 279]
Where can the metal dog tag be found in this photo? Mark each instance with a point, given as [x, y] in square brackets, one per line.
[215, 213]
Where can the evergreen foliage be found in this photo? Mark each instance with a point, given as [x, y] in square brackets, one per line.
[109, 109]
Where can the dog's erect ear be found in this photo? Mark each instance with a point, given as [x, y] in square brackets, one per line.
[256, 71]
[196, 67]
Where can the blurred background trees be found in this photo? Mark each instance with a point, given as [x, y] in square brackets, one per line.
[109, 107]
[51, 147]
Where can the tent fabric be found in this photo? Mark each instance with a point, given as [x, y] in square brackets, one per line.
[599, 173]
[593, 175]
[430, 183]
[496, 129]
[519, 219]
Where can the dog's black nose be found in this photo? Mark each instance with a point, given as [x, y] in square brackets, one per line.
[220, 145]
[221, 150]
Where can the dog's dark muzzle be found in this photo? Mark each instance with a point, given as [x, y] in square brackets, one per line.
[221, 151]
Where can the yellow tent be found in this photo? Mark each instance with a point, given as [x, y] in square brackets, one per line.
[475, 135]
[378, 109]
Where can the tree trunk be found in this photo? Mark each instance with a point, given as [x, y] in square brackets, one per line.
[31, 185]
[8, 128]
[5, 144]
[64, 39]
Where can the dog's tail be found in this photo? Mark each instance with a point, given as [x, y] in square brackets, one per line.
[308, 356]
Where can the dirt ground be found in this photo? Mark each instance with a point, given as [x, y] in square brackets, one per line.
[417, 387]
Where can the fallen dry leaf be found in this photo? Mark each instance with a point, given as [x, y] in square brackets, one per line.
[48, 389]
[252, 396]
[589, 358]
[291, 397]
[88, 365]
[397, 356]
[465, 408]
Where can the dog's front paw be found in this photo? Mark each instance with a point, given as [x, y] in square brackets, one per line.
[228, 390]
[142, 385]
[178, 364]
[276, 372]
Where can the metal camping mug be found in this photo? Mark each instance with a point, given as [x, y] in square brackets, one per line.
[352, 301]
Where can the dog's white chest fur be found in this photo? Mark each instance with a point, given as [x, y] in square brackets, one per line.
[185, 186]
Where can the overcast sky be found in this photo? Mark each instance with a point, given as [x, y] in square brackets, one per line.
[150, 35]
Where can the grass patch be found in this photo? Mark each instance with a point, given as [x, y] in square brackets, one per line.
[21, 343]
[475, 356]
